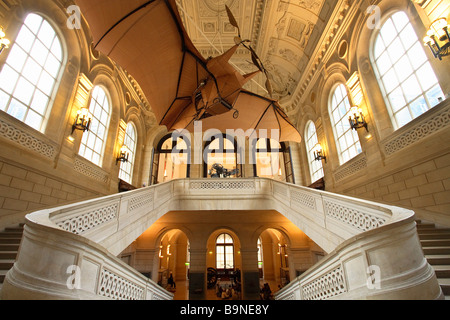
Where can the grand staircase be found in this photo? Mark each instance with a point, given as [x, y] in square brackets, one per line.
[435, 243]
[436, 247]
[9, 247]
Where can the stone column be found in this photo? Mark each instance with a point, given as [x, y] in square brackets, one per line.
[197, 274]
[250, 273]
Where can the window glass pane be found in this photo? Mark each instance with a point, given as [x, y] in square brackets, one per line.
[32, 71]
[8, 79]
[33, 86]
[419, 107]
[17, 110]
[39, 52]
[94, 143]
[33, 119]
[426, 76]
[25, 39]
[33, 22]
[4, 100]
[315, 167]
[388, 32]
[384, 63]
[24, 91]
[435, 95]
[346, 140]
[403, 117]
[407, 90]
[17, 58]
[408, 37]
[126, 169]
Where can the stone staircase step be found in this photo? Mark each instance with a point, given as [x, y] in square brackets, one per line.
[445, 285]
[3, 275]
[11, 234]
[438, 259]
[433, 231]
[4, 255]
[10, 240]
[436, 250]
[436, 235]
[9, 247]
[435, 243]
[14, 229]
[442, 271]
[6, 264]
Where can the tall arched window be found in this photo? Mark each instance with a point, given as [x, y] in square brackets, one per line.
[222, 152]
[311, 140]
[225, 253]
[347, 140]
[407, 80]
[93, 141]
[269, 159]
[29, 77]
[173, 158]
[126, 168]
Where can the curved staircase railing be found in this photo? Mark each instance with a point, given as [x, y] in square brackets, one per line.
[71, 252]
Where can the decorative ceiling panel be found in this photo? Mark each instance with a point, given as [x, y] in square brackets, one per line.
[284, 34]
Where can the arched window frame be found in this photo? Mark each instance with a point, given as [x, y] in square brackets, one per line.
[174, 148]
[271, 147]
[93, 142]
[347, 140]
[221, 150]
[32, 72]
[127, 168]
[404, 73]
[224, 256]
[311, 141]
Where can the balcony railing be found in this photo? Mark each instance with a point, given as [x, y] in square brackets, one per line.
[70, 252]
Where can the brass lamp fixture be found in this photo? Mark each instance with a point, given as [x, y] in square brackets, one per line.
[319, 154]
[82, 121]
[357, 120]
[124, 155]
[4, 43]
[438, 38]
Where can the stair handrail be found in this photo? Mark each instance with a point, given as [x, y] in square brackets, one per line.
[335, 222]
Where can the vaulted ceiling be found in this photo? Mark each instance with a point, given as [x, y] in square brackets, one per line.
[284, 34]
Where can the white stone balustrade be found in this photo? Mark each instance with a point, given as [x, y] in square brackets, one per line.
[374, 249]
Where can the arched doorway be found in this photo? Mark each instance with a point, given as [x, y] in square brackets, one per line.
[273, 259]
[173, 264]
[224, 266]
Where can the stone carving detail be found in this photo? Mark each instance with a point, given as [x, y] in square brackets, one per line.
[82, 223]
[419, 132]
[90, 171]
[117, 288]
[327, 286]
[351, 168]
[222, 185]
[138, 202]
[353, 217]
[27, 140]
[303, 199]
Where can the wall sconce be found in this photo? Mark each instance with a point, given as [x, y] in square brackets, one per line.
[4, 43]
[82, 121]
[438, 38]
[124, 154]
[356, 119]
[319, 154]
